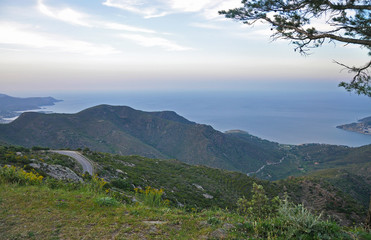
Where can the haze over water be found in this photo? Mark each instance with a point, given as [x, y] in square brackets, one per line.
[285, 117]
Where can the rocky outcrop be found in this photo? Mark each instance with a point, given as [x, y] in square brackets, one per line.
[57, 171]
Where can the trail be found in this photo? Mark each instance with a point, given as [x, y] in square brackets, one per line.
[268, 164]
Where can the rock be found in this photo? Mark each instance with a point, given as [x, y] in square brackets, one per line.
[126, 163]
[57, 171]
[198, 186]
[153, 229]
[218, 234]
[228, 226]
[154, 222]
[207, 196]
[120, 171]
[35, 165]
[204, 224]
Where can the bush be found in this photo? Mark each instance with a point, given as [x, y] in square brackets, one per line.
[152, 197]
[302, 224]
[281, 219]
[96, 184]
[259, 207]
[38, 148]
[12, 174]
[121, 184]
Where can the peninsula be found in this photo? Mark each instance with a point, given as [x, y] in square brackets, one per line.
[362, 126]
[11, 107]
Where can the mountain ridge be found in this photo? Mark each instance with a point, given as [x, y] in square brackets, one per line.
[124, 130]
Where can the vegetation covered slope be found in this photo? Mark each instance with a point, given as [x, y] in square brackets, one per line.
[46, 212]
[346, 168]
[126, 131]
[200, 187]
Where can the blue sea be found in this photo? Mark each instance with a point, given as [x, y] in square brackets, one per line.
[286, 117]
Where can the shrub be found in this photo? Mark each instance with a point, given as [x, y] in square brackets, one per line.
[96, 184]
[152, 197]
[302, 224]
[213, 221]
[120, 197]
[122, 184]
[17, 175]
[259, 207]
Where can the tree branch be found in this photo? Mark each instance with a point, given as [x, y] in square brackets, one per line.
[358, 70]
[319, 36]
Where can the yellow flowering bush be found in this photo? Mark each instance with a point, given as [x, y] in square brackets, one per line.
[97, 184]
[18, 175]
[152, 197]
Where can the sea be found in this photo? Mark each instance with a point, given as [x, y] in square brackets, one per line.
[291, 117]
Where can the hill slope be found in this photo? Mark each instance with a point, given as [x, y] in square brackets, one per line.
[197, 187]
[123, 130]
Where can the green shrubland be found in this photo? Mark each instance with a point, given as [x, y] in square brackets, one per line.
[54, 209]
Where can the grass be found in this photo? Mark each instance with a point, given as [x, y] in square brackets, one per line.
[38, 212]
[41, 212]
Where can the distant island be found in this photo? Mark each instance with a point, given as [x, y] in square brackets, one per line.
[362, 126]
[11, 107]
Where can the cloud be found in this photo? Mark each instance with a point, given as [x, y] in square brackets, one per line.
[139, 7]
[158, 8]
[205, 25]
[25, 36]
[123, 27]
[154, 42]
[66, 15]
[82, 19]
[77, 18]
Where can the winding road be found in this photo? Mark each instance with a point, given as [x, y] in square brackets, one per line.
[85, 163]
[268, 164]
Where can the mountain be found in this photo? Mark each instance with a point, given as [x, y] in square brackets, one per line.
[126, 131]
[9, 105]
[362, 126]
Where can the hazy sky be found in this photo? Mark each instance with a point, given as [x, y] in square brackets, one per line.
[54, 45]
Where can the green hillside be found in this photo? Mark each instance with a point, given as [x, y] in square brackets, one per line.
[126, 131]
[200, 187]
[36, 206]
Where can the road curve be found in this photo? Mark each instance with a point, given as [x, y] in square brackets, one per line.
[85, 163]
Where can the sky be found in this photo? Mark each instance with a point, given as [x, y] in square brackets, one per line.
[106, 45]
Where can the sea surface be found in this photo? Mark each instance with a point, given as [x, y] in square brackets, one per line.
[284, 117]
